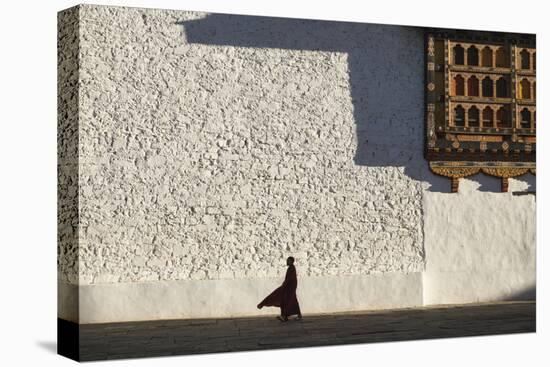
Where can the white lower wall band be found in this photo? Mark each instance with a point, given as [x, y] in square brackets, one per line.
[479, 286]
[118, 302]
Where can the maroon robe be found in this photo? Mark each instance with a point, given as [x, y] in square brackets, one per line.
[285, 296]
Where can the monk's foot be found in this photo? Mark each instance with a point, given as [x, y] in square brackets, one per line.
[298, 318]
[282, 319]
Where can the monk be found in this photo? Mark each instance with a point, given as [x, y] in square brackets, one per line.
[285, 296]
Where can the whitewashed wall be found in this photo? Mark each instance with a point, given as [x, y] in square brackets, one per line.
[480, 243]
[211, 147]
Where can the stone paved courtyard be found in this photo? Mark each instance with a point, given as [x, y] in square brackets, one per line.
[176, 337]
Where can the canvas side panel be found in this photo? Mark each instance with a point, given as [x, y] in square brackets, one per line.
[67, 162]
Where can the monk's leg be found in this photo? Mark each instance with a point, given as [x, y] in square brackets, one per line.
[299, 314]
[283, 317]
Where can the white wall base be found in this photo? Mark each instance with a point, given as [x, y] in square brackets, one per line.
[118, 302]
[481, 286]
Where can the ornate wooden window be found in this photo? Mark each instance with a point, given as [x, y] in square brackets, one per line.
[480, 104]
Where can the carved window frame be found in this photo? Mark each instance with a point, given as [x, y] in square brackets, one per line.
[504, 149]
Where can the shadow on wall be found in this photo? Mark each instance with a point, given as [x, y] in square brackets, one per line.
[492, 184]
[528, 294]
[386, 75]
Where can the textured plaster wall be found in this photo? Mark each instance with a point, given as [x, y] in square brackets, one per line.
[210, 161]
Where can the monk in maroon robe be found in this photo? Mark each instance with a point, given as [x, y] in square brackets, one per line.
[285, 296]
